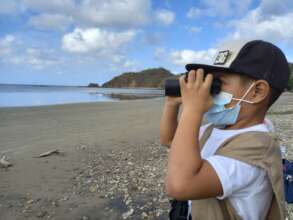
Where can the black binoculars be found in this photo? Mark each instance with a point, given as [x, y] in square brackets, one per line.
[172, 86]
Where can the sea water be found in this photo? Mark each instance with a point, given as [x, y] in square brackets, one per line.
[35, 95]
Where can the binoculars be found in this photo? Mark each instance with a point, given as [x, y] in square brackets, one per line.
[172, 86]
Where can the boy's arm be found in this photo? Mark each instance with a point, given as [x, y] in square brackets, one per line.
[169, 122]
[188, 175]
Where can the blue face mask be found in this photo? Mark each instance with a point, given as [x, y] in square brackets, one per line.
[219, 115]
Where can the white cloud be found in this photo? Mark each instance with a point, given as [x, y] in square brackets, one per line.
[37, 58]
[88, 13]
[12, 51]
[183, 57]
[273, 7]
[41, 58]
[159, 53]
[164, 16]
[275, 28]
[95, 40]
[51, 6]
[194, 29]
[6, 45]
[194, 12]
[119, 62]
[100, 45]
[13, 7]
[129, 64]
[266, 22]
[152, 38]
[50, 22]
[127, 13]
[213, 8]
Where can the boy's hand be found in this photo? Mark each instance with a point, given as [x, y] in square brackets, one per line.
[195, 92]
[174, 101]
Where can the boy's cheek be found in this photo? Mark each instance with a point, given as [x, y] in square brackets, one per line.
[231, 104]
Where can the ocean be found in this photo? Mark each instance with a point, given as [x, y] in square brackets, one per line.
[36, 95]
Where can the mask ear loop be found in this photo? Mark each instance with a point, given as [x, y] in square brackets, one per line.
[242, 99]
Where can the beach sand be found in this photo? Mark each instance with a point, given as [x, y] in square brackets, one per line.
[57, 186]
[110, 165]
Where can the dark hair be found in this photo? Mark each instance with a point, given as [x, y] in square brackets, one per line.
[274, 94]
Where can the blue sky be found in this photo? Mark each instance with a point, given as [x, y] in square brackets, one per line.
[75, 42]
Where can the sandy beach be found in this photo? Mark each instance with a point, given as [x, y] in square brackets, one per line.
[92, 137]
[110, 163]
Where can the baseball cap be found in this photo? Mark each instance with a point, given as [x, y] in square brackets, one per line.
[258, 59]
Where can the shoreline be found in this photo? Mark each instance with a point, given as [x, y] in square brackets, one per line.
[113, 98]
[80, 103]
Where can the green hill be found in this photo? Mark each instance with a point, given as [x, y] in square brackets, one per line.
[149, 78]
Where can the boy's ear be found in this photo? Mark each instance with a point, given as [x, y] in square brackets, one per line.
[261, 91]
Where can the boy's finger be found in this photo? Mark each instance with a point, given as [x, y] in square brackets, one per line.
[191, 76]
[199, 76]
[208, 81]
[182, 81]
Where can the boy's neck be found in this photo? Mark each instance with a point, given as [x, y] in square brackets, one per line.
[244, 124]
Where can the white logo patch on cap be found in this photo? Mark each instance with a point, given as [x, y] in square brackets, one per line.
[222, 57]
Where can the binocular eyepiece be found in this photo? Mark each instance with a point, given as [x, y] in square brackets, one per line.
[172, 86]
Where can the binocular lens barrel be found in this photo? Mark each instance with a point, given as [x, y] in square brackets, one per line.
[172, 87]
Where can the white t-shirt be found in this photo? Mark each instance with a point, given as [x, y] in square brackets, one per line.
[247, 187]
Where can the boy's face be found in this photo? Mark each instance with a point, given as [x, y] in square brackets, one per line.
[250, 113]
[233, 84]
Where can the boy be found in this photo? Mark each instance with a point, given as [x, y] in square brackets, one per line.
[232, 160]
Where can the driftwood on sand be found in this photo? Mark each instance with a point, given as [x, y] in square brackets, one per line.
[48, 153]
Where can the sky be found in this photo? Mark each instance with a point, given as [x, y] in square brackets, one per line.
[75, 42]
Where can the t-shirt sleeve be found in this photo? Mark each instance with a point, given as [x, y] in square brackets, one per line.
[234, 175]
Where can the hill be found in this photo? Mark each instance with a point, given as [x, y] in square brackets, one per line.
[96, 85]
[149, 78]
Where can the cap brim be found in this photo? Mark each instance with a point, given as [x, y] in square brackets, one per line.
[208, 68]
